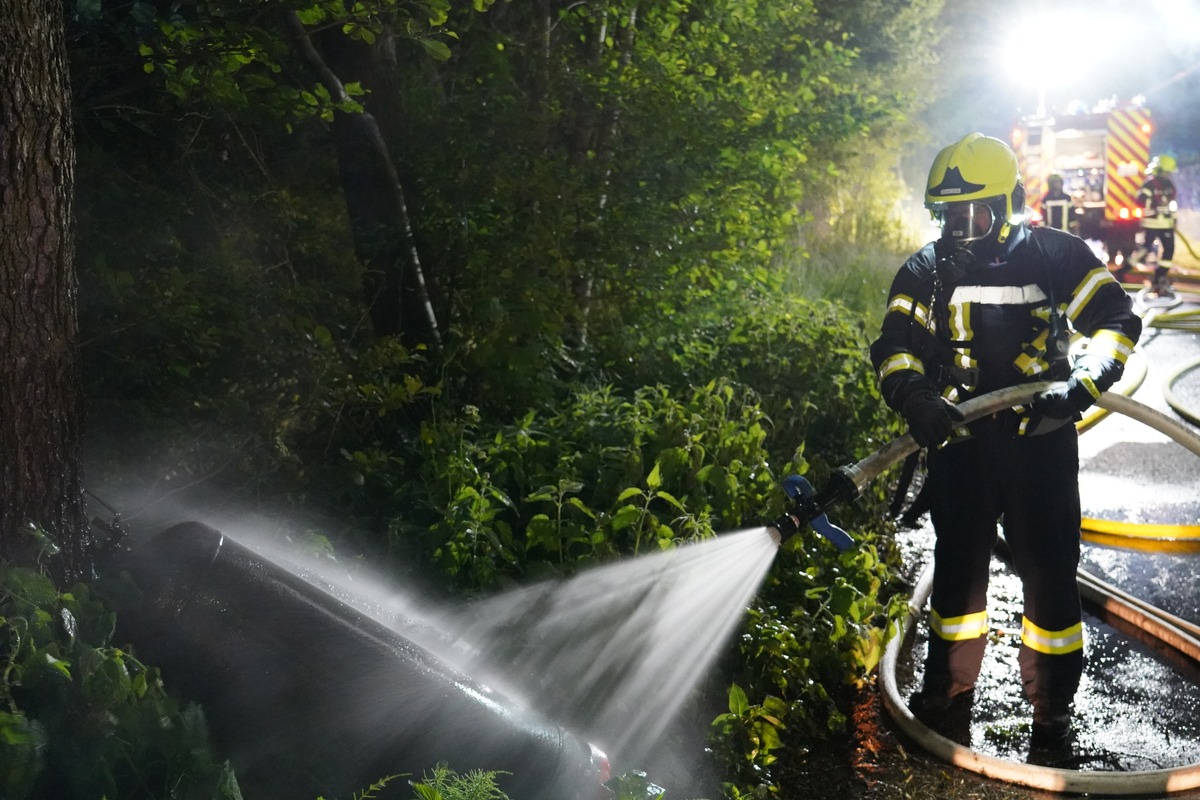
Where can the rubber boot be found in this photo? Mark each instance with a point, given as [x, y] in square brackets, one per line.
[942, 712]
[1052, 738]
[1162, 280]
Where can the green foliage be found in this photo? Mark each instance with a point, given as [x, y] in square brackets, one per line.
[819, 624]
[806, 359]
[755, 728]
[656, 298]
[81, 717]
[598, 476]
[373, 790]
[635, 785]
[241, 58]
[446, 784]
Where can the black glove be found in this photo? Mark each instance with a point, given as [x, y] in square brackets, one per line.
[930, 417]
[1062, 403]
[1068, 400]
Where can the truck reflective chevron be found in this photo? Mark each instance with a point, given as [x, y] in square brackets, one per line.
[1101, 154]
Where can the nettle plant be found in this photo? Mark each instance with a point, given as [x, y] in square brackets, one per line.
[817, 629]
[601, 476]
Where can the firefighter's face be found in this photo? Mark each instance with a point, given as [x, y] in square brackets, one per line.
[963, 223]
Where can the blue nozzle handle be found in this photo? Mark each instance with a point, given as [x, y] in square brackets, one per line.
[798, 488]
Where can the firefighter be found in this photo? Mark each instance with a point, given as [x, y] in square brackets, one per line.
[1056, 204]
[1157, 199]
[991, 304]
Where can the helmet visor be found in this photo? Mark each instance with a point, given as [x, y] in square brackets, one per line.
[965, 222]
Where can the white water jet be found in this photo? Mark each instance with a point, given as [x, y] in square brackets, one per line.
[617, 649]
[611, 653]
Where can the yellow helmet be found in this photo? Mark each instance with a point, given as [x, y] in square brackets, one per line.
[1161, 165]
[977, 169]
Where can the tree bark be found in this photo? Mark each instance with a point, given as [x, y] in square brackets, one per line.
[41, 420]
[397, 294]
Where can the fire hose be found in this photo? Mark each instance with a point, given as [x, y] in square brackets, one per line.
[809, 508]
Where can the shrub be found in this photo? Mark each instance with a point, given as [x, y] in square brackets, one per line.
[81, 717]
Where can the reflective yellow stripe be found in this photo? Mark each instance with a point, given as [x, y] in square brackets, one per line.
[898, 362]
[1030, 362]
[957, 629]
[1112, 344]
[960, 321]
[903, 304]
[1053, 643]
[1090, 385]
[1087, 289]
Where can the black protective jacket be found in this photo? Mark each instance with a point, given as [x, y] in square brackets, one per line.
[990, 328]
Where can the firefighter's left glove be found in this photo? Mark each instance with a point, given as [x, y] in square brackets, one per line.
[1060, 405]
[930, 417]
[1068, 401]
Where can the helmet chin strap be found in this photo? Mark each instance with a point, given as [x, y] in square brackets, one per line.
[1005, 230]
[1008, 237]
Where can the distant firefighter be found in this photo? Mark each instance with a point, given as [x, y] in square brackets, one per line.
[1157, 199]
[1056, 204]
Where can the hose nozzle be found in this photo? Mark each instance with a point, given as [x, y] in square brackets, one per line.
[808, 508]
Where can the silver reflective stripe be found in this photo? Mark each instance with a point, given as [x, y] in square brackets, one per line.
[999, 295]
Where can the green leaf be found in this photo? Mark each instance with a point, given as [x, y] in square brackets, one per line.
[654, 479]
[738, 703]
[57, 665]
[579, 504]
[670, 499]
[625, 517]
[435, 48]
[426, 792]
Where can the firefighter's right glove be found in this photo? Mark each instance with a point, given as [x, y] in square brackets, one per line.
[930, 417]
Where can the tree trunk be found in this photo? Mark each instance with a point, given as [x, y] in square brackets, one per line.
[41, 479]
[397, 294]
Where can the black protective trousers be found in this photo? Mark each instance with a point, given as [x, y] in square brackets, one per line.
[1031, 485]
[1164, 235]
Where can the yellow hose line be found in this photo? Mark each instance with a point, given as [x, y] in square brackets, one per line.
[1154, 538]
[1128, 535]
[1193, 312]
[1126, 542]
[1179, 235]
[1150, 537]
[1141, 530]
[1177, 405]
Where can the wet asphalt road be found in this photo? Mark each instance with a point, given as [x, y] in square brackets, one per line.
[1138, 707]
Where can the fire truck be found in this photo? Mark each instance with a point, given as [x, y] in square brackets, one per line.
[1101, 155]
